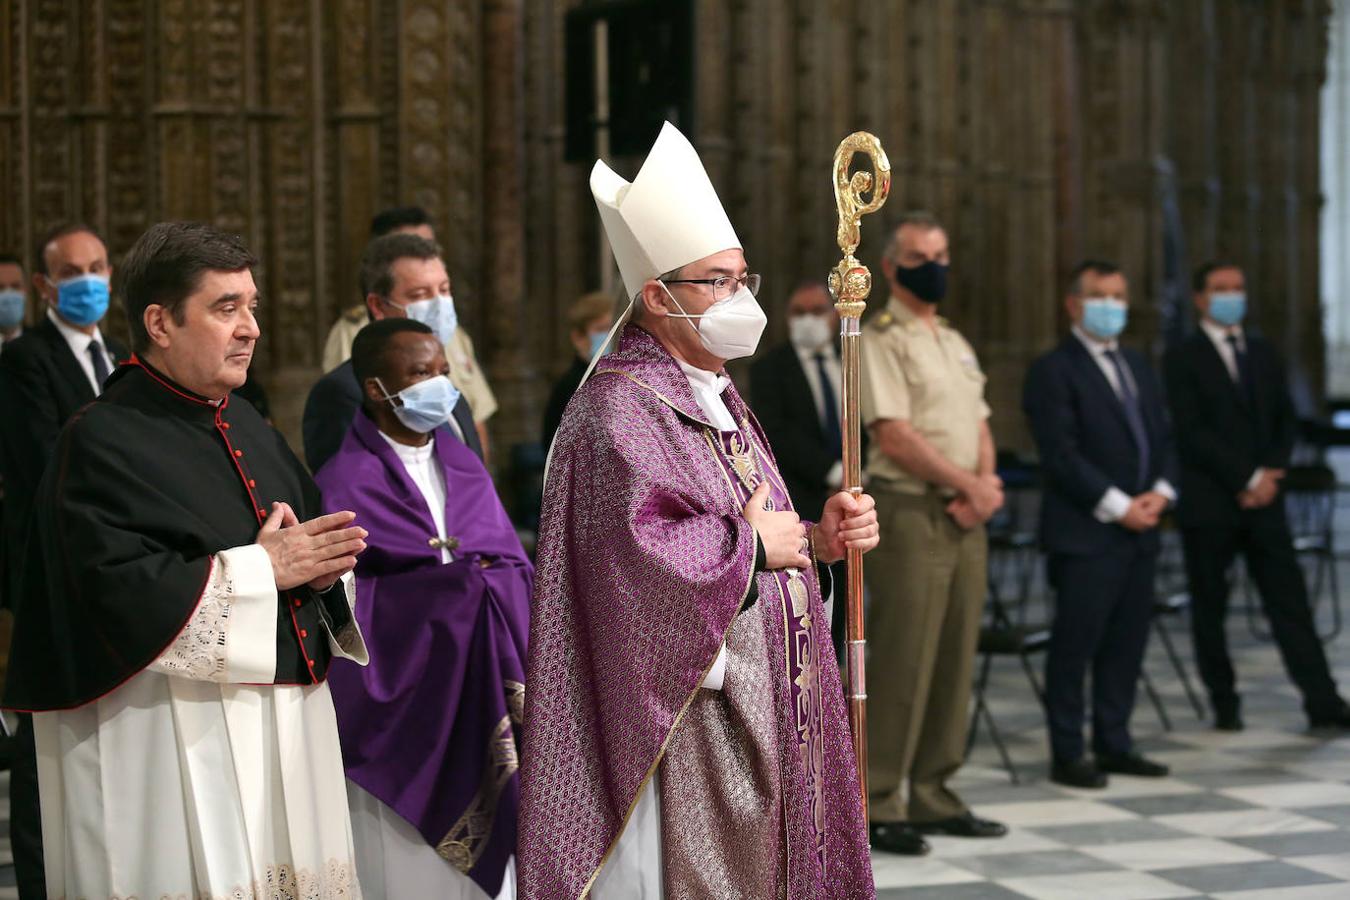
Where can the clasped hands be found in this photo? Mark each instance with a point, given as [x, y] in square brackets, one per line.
[1264, 492]
[977, 503]
[1145, 511]
[315, 553]
[848, 523]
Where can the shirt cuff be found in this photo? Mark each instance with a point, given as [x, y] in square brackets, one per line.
[1164, 487]
[834, 479]
[337, 610]
[1113, 506]
[1256, 478]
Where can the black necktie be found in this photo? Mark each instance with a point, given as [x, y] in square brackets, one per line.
[829, 419]
[1133, 415]
[1244, 372]
[100, 363]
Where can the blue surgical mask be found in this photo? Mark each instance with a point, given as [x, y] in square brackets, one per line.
[597, 343]
[11, 308]
[438, 313]
[82, 300]
[1104, 317]
[1228, 308]
[426, 405]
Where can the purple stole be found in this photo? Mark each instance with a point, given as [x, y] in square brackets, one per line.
[745, 466]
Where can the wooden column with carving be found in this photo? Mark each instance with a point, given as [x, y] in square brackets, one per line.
[508, 328]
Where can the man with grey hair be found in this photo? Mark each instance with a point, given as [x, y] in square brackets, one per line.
[931, 462]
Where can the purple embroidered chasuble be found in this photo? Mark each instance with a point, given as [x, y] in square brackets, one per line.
[431, 726]
[645, 561]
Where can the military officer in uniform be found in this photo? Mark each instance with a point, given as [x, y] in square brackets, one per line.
[931, 464]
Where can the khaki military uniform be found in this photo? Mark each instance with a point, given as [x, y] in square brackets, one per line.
[928, 575]
[465, 371]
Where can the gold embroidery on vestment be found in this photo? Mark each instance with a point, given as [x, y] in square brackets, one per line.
[464, 843]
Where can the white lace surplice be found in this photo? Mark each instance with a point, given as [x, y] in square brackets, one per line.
[198, 778]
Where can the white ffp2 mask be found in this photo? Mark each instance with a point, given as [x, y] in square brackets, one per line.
[730, 328]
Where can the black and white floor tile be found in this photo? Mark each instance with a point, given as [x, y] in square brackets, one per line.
[1263, 814]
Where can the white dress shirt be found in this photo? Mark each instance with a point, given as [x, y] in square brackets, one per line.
[1218, 335]
[79, 345]
[1115, 503]
[424, 468]
[835, 477]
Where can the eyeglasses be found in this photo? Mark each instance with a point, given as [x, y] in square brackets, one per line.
[725, 285]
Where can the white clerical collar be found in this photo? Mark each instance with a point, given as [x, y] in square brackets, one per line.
[1094, 346]
[79, 341]
[414, 455]
[708, 387]
[1220, 334]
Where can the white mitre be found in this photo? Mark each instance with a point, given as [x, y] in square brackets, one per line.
[667, 217]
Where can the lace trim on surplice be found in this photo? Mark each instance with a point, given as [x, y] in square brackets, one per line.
[199, 651]
[335, 881]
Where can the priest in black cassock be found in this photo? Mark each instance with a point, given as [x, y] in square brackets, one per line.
[179, 612]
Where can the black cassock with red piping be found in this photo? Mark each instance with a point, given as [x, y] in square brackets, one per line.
[147, 483]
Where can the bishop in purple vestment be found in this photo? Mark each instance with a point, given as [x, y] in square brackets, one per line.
[685, 730]
[430, 728]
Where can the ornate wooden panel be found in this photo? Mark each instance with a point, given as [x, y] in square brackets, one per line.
[1040, 130]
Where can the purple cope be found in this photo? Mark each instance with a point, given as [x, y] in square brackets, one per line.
[645, 559]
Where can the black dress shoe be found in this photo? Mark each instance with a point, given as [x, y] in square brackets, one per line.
[1332, 718]
[1131, 764]
[1227, 714]
[898, 837]
[965, 825]
[1080, 773]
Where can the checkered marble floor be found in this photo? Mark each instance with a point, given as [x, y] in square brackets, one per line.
[1264, 813]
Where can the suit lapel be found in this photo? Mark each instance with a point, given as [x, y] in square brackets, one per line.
[1092, 374]
[65, 362]
[1212, 361]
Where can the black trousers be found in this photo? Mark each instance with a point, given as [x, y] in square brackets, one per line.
[25, 815]
[1263, 539]
[838, 635]
[1103, 607]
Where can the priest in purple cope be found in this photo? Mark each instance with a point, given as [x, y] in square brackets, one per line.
[430, 730]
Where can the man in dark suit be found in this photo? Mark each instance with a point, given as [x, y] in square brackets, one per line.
[46, 375]
[1109, 464]
[1235, 431]
[795, 389]
[396, 270]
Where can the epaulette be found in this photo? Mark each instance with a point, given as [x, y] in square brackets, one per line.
[355, 313]
[882, 320]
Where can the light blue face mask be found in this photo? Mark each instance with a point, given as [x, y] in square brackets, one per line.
[1104, 317]
[597, 343]
[82, 300]
[426, 405]
[437, 313]
[1229, 308]
[11, 308]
